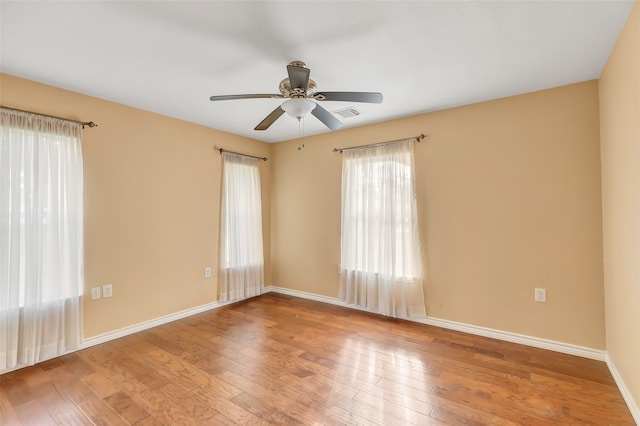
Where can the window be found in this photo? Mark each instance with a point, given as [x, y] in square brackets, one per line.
[378, 215]
[41, 237]
[241, 251]
[380, 251]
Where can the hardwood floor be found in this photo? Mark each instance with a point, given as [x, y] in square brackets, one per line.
[281, 360]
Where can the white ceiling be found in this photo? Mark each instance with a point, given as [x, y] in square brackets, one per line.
[170, 56]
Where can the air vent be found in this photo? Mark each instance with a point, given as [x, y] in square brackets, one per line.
[346, 112]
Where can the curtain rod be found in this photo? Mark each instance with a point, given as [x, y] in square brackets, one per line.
[82, 123]
[418, 138]
[239, 153]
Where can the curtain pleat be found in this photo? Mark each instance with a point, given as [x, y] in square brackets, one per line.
[241, 250]
[41, 238]
[380, 250]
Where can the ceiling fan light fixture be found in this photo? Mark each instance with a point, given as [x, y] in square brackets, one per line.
[298, 107]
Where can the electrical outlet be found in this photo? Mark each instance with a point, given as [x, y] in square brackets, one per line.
[541, 295]
[95, 293]
[207, 272]
[107, 291]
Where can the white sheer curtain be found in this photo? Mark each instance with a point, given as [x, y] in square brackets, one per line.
[380, 249]
[241, 255]
[41, 238]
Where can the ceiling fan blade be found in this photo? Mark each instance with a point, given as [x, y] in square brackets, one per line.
[369, 97]
[270, 119]
[298, 77]
[254, 96]
[326, 117]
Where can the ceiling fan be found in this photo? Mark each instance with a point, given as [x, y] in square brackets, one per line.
[300, 92]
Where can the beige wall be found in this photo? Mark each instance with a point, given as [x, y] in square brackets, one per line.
[508, 198]
[508, 195]
[152, 191]
[620, 145]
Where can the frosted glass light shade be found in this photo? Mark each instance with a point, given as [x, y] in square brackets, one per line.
[298, 107]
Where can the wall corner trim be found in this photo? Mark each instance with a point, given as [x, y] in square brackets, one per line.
[535, 342]
[624, 390]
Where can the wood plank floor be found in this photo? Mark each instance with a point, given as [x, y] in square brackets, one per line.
[277, 359]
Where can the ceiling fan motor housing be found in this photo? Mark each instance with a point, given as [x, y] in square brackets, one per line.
[288, 92]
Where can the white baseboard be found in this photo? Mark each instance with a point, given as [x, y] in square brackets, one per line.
[624, 390]
[452, 325]
[536, 342]
[102, 338]
[521, 339]
[145, 325]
